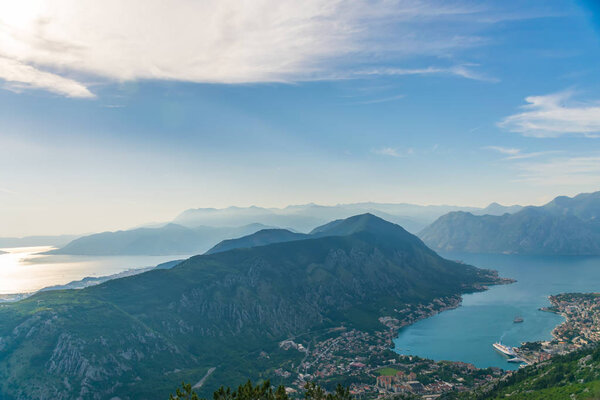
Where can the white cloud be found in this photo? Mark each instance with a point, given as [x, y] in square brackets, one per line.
[20, 76]
[224, 41]
[555, 115]
[576, 170]
[393, 152]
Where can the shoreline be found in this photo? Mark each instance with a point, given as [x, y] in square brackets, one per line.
[581, 313]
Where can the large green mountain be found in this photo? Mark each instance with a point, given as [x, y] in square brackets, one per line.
[569, 226]
[138, 337]
[171, 239]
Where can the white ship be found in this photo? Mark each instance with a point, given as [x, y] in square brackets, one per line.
[506, 350]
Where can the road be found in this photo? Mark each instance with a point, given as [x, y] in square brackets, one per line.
[204, 378]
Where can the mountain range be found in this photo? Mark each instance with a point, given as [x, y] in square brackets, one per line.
[170, 239]
[30, 241]
[304, 218]
[196, 230]
[566, 226]
[140, 336]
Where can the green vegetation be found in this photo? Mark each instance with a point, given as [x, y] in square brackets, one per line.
[262, 391]
[573, 376]
[260, 238]
[139, 336]
[387, 371]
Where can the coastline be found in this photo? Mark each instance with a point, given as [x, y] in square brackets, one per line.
[579, 329]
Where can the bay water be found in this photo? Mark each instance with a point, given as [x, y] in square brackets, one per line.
[468, 332]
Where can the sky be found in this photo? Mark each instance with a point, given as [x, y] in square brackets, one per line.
[115, 114]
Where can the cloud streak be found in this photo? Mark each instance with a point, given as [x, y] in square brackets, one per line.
[555, 115]
[393, 152]
[464, 71]
[518, 154]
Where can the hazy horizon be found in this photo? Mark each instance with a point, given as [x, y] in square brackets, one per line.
[147, 223]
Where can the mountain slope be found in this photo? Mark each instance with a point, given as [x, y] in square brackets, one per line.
[139, 336]
[171, 239]
[585, 206]
[565, 226]
[574, 376]
[260, 238]
[340, 227]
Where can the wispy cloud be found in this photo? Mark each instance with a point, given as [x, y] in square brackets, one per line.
[575, 170]
[5, 191]
[379, 100]
[463, 71]
[226, 41]
[518, 154]
[504, 150]
[393, 152]
[555, 115]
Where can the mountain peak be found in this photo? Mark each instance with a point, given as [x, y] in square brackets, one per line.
[359, 223]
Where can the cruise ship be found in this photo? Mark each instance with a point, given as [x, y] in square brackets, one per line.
[506, 350]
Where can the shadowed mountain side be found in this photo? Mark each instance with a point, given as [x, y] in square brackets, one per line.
[567, 226]
[341, 227]
[260, 238]
[139, 336]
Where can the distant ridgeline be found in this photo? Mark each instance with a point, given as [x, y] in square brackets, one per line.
[196, 230]
[170, 239]
[140, 336]
[565, 226]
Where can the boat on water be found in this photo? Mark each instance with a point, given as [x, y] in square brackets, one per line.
[518, 320]
[505, 350]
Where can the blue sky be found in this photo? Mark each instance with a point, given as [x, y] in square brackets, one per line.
[211, 104]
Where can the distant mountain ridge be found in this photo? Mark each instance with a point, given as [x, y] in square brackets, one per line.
[306, 217]
[198, 230]
[170, 239]
[31, 241]
[564, 226]
[138, 337]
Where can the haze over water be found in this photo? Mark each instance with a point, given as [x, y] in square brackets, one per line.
[25, 269]
[467, 333]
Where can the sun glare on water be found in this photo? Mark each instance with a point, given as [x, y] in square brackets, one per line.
[18, 274]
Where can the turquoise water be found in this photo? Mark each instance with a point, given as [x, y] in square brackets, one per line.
[467, 333]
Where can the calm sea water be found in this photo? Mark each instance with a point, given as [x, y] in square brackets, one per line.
[25, 269]
[467, 333]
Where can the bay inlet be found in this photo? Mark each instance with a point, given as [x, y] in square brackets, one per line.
[468, 332]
